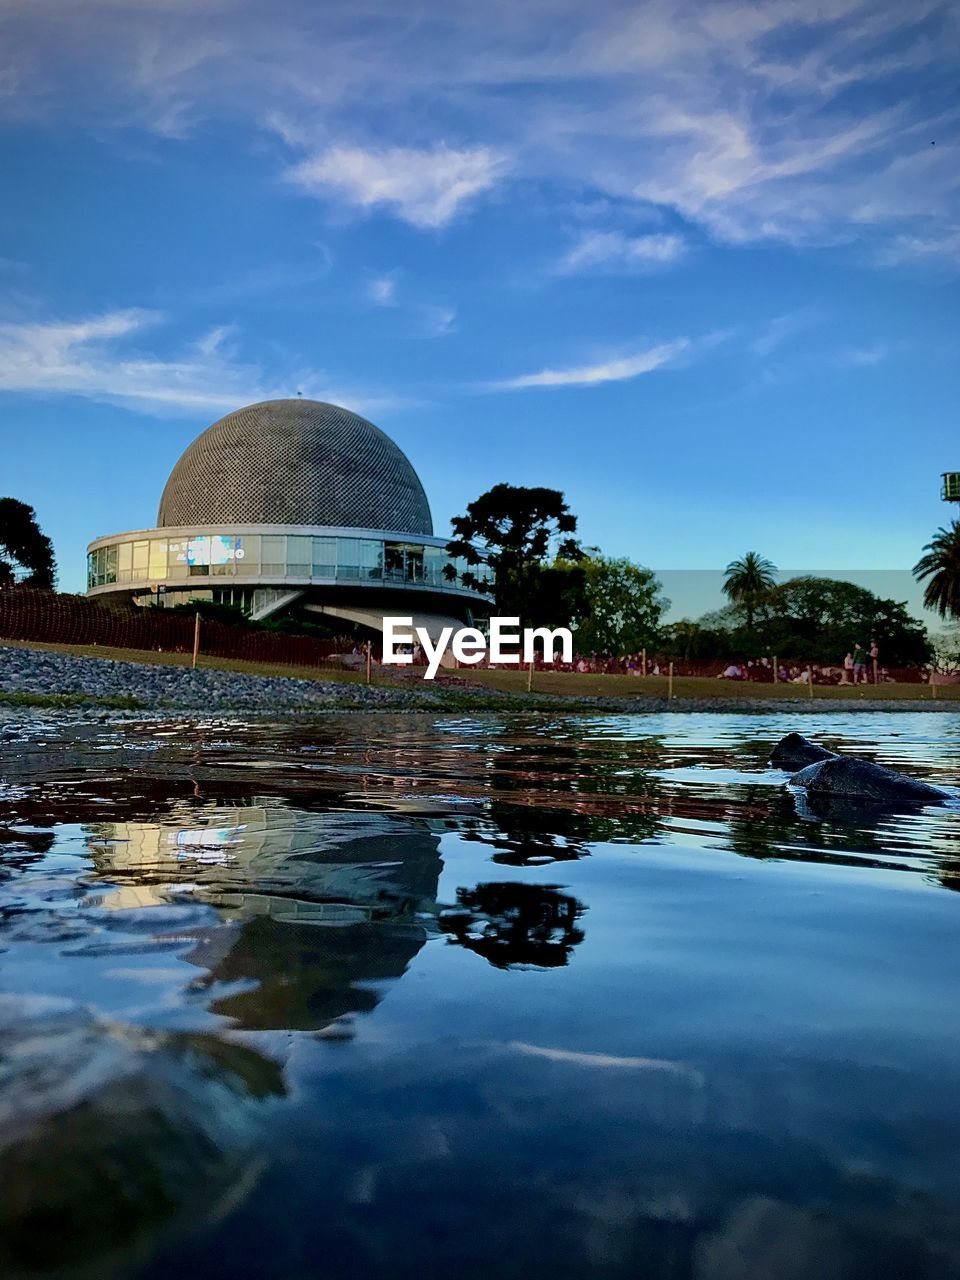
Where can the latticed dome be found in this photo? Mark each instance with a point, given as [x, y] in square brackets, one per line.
[296, 462]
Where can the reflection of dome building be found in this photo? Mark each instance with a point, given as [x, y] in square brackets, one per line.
[318, 909]
[289, 502]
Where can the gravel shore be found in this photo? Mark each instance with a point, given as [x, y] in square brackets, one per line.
[35, 671]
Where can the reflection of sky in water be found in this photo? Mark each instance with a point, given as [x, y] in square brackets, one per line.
[553, 997]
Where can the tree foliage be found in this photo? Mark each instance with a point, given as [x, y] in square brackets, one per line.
[747, 581]
[26, 554]
[941, 566]
[809, 619]
[619, 608]
[522, 531]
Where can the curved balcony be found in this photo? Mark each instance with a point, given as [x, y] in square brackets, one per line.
[178, 559]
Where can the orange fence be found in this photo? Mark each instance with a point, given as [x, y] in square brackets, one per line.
[49, 618]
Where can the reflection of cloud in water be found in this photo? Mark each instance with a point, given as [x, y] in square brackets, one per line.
[515, 925]
[109, 1135]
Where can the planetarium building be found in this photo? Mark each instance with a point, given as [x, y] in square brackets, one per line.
[291, 503]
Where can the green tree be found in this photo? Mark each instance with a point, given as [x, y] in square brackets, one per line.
[620, 606]
[747, 581]
[26, 554]
[941, 565]
[820, 619]
[523, 533]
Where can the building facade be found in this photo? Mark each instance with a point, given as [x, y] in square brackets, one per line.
[291, 503]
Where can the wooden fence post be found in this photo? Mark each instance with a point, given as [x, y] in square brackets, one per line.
[643, 667]
[530, 674]
[810, 680]
[774, 668]
[369, 658]
[196, 639]
[670, 682]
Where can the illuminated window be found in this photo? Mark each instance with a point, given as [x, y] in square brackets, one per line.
[157, 565]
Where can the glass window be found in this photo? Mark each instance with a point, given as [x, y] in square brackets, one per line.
[124, 561]
[434, 558]
[414, 564]
[91, 569]
[246, 556]
[371, 559]
[348, 557]
[140, 553]
[110, 564]
[393, 562]
[157, 566]
[299, 555]
[273, 554]
[324, 558]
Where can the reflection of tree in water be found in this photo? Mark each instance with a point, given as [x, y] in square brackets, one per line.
[525, 834]
[516, 924]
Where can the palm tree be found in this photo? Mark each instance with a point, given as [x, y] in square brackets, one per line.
[747, 580]
[941, 565]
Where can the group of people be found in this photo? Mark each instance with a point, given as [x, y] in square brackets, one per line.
[859, 666]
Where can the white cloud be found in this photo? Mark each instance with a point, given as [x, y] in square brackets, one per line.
[92, 358]
[382, 291]
[616, 251]
[617, 369]
[426, 188]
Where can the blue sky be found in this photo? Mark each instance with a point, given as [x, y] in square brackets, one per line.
[694, 264]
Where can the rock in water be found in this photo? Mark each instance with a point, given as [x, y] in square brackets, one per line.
[856, 779]
[795, 752]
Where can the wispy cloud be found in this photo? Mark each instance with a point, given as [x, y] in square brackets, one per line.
[616, 369]
[781, 329]
[864, 357]
[775, 120]
[426, 188]
[420, 319]
[436, 321]
[613, 250]
[93, 358]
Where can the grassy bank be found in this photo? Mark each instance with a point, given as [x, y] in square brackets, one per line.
[572, 684]
[67, 701]
[574, 690]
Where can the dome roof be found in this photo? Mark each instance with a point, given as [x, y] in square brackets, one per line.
[295, 462]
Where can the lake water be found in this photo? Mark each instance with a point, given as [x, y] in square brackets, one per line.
[419, 996]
